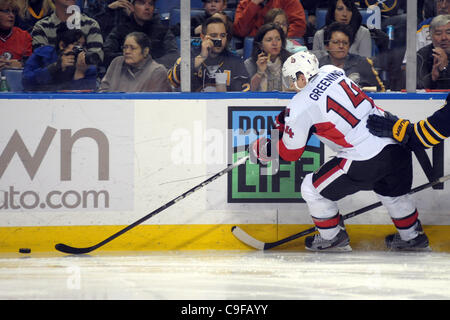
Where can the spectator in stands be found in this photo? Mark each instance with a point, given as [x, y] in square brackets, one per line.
[268, 55]
[15, 43]
[108, 13]
[44, 31]
[62, 67]
[164, 47]
[135, 71]
[310, 7]
[433, 70]
[213, 58]
[31, 11]
[227, 20]
[279, 17]
[249, 16]
[345, 11]
[338, 38]
[423, 36]
[91, 7]
[211, 7]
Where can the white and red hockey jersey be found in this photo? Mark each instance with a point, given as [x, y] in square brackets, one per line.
[334, 108]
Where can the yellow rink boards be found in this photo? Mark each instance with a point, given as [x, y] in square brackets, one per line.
[193, 237]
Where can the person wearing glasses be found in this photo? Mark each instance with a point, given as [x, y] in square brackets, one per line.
[143, 18]
[338, 40]
[135, 70]
[15, 43]
[346, 12]
[213, 66]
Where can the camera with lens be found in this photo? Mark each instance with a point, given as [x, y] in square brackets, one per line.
[217, 42]
[91, 58]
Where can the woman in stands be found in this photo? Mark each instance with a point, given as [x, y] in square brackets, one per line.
[268, 55]
[346, 12]
[135, 71]
[338, 39]
[280, 18]
[15, 43]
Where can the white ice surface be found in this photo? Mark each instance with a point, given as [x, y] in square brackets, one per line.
[211, 275]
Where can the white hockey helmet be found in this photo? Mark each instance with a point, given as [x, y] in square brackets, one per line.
[304, 62]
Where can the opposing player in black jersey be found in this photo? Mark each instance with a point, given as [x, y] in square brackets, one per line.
[423, 134]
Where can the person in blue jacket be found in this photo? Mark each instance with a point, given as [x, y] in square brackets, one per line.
[60, 68]
[423, 134]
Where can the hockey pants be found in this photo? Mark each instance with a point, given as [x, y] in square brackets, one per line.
[389, 174]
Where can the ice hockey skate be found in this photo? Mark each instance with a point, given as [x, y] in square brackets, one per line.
[419, 243]
[340, 243]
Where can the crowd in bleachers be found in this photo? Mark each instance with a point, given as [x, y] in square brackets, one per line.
[134, 45]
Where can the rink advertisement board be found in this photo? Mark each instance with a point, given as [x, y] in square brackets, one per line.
[66, 155]
[91, 164]
[280, 182]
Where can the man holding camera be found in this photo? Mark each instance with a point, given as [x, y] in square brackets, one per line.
[67, 13]
[214, 67]
[62, 67]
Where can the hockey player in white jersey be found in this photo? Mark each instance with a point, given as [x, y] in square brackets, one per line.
[332, 107]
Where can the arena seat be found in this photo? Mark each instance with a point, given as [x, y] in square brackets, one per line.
[248, 47]
[196, 4]
[14, 78]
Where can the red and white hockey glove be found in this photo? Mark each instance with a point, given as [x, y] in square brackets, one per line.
[279, 122]
[260, 151]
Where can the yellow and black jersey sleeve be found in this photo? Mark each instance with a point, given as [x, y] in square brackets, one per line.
[173, 74]
[433, 130]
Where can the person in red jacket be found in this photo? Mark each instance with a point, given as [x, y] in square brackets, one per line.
[249, 16]
[15, 43]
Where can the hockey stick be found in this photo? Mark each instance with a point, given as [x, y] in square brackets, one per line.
[257, 244]
[73, 250]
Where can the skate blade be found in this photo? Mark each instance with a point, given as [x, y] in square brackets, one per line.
[424, 249]
[346, 248]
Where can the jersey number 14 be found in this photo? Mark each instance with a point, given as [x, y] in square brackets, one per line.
[356, 100]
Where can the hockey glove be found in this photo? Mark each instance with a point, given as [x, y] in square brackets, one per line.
[260, 151]
[279, 122]
[390, 126]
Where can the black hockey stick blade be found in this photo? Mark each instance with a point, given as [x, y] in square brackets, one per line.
[74, 250]
[260, 245]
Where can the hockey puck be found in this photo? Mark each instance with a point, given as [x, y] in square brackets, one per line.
[24, 250]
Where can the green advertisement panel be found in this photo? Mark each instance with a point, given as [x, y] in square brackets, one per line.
[281, 180]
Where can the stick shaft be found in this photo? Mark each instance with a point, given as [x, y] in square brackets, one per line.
[73, 250]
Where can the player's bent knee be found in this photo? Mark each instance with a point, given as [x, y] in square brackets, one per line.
[319, 206]
[309, 192]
